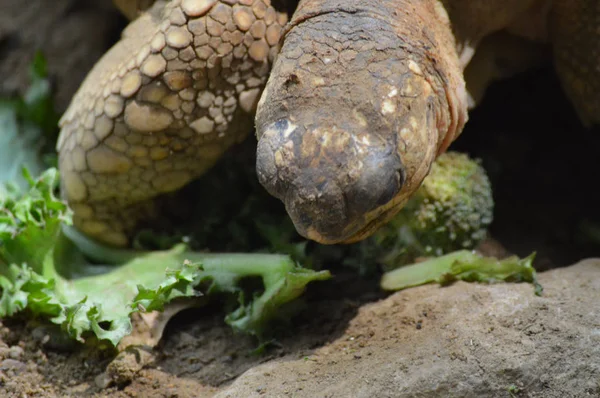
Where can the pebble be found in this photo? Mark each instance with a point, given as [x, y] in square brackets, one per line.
[103, 380]
[12, 364]
[4, 352]
[16, 352]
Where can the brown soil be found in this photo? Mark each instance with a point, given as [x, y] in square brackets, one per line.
[198, 352]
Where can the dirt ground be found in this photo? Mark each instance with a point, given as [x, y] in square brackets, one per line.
[542, 162]
[198, 350]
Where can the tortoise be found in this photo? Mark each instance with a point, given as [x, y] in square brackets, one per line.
[351, 101]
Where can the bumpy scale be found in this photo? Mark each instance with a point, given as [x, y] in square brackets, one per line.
[162, 106]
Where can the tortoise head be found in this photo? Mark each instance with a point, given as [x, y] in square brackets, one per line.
[350, 122]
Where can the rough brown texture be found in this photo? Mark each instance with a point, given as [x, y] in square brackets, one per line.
[575, 30]
[333, 140]
[472, 20]
[344, 154]
[466, 340]
[199, 352]
[161, 107]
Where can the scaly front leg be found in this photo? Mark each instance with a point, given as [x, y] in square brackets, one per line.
[161, 107]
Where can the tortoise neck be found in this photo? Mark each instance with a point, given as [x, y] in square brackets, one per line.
[423, 35]
[362, 98]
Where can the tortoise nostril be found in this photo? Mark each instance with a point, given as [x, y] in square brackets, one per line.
[291, 80]
[305, 218]
[391, 188]
[380, 180]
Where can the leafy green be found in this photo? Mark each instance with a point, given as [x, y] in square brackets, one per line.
[463, 265]
[29, 221]
[28, 127]
[45, 266]
[37, 104]
[44, 272]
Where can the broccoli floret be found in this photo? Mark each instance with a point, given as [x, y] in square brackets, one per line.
[450, 211]
[454, 206]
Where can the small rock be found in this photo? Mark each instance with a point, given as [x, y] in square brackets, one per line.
[12, 364]
[125, 366]
[16, 352]
[103, 380]
[4, 352]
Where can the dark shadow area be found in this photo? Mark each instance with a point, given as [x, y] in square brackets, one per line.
[198, 344]
[541, 160]
[543, 165]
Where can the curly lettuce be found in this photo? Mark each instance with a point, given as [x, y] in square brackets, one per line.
[43, 272]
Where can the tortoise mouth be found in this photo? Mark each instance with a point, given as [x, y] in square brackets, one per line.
[358, 234]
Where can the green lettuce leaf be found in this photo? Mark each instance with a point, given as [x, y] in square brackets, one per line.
[43, 270]
[28, 128]
[463, 265]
